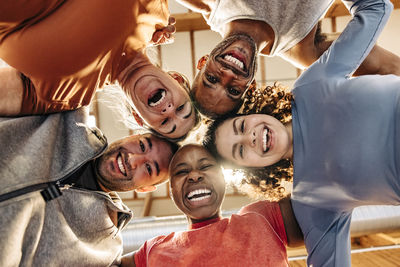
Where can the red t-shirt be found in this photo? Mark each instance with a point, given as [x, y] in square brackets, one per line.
[254, 237]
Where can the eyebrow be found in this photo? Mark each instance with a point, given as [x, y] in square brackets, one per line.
[234, 126]
[157, 167]
[203, 159]
[180, 164]
[149, 142]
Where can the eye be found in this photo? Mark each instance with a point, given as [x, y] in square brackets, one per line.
[164, 121]
[241, 151]
[242, 126]
[180, 107]
[205, 167]
[142, 147]
[211, 79]
[233, 91]
[149, 170]
[181, 172]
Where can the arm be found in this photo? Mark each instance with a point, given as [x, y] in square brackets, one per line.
[359, 36]
[128, 260]
[200, 6]
[306, 52]
[11, 92]
[327, 235]
[292, 228]
[70, 38]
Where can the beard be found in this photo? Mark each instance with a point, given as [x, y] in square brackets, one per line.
[106, 179]
[227, 41]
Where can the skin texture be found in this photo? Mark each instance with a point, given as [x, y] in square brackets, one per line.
[145, 160]
[256, 140]
[159, 99]
[226, 74]
[193, 168]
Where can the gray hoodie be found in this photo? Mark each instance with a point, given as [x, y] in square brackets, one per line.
[74, 229]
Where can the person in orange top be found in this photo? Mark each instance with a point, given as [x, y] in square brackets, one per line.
[65, 50]
[256, 236]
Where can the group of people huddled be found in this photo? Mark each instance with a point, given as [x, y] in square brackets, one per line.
[334, 136]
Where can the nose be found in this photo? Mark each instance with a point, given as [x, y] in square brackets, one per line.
[250, 138]
[135, 160]
[168, 108]
[195, 177]
[227, 76]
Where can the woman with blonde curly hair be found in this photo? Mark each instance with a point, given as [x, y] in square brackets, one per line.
[342, 138]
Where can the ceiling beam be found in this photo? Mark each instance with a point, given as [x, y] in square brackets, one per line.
[195, 22]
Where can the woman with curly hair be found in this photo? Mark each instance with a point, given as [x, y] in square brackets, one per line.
[342, 138]
[267, 180]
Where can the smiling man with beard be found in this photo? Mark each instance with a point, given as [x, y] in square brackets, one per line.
[256, 236]
[58, 179]
[273, 28]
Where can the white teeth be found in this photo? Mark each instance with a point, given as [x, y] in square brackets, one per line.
[198, 192]
[159, 101]
[265, 139]
[234, 60]
[120, 165]
[200, 198]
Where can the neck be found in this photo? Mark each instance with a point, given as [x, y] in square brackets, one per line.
[260, 31]
[194, 221]
[195, 224]
[93, 167]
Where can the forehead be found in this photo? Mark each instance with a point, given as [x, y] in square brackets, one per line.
[189, 154]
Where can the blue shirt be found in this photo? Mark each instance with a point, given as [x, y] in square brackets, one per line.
[346, 138]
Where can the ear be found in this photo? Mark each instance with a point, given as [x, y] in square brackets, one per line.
[202, 62]
[145, 189]
[176, 77]
[137, 118]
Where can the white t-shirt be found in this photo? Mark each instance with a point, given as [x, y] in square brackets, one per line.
[291, 20]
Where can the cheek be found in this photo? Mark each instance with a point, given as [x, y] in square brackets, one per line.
[151, 119]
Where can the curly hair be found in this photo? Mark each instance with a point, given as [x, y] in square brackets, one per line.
[260, 182]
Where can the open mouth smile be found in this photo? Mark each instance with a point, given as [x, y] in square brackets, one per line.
[120, 164]
[267, 139]
[198, 195]
[234, 61]
[156, 97]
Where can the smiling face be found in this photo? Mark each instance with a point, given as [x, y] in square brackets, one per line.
[135, 162]
[161, 101]
[226, 74]
[197, 183]
[256, 140]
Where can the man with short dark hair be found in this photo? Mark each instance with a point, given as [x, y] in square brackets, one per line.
[288, 29]
[58, 179]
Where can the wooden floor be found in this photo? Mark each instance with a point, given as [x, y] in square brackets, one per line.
[367, 251]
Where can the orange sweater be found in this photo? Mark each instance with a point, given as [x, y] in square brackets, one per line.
[70, 48]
